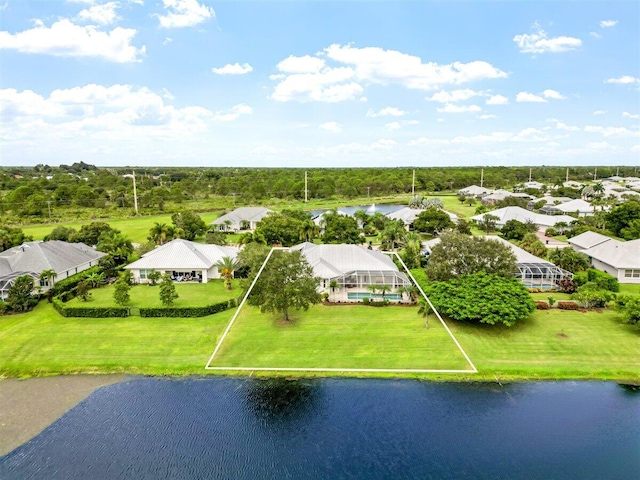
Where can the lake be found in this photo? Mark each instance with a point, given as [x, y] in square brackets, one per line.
[229, 428]
[370, 209]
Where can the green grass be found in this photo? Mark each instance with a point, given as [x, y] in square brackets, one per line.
[347, 336]
[629, 289]
[545, 296]
[190, 295]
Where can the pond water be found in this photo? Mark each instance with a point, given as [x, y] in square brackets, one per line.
[370, 209]
[329, 429]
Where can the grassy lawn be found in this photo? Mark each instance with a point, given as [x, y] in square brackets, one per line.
[348, 336]
[190, 295]
[545, 296]
[629, 289]
[42, 342]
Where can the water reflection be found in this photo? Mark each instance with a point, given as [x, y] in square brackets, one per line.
[282, 399]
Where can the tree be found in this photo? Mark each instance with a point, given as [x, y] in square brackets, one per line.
[621, 217]
[19, 296]
[471, 201]
[532, 244]
[488, 223]
[116, 245]
[153, 276]
[215, 238]
[482, 298]
[458, 254]
[282, 227]
[590, 295]
[433, 221]
[83, 290]
[632, 231]
[424, 310]
[251, 257]
[393, 235]
[333, 285]
[158, 233]
[168, 292]
[91, 233]
[461, 198]
[191, 224]
[629, 306]
[568, 259]
[463, 227]
[121, 292]
[61, 233]
[226, 266]
[411, 291]
[514, 230]
[12, 237]
[286, 282]
[411, 252]
[47, 276]
[340, 228]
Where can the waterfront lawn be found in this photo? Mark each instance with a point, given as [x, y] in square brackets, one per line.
[43, 342]
[554, 344]
[190, 295]
[345, 336]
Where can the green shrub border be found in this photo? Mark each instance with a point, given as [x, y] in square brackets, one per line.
[92, 312]
[187, 312]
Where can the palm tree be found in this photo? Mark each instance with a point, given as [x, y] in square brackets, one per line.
[373, 289]
[95, 279]
[410, 291]
[226, 267]
[46, 276]
[424, 310]
[383, 290]
[308, 231]
[333, 284]
[159, 233]
[362, 217]
[392, 236]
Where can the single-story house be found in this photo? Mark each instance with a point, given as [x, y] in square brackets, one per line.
[243, 218]
[499, 195]
[534, 185]
[354, 268]
[32, 258]
[533, 272]
[522, 215]
[408, 215]
[474, 191]
[573, 184]
[183, 260]
[587, 240]
[579, 206]
[620, 259]
[319, 219]
[548, 201]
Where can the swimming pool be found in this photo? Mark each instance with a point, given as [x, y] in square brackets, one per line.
[360, 295]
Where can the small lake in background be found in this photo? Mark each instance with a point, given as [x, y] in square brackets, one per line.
[370, 209]
[229, 428]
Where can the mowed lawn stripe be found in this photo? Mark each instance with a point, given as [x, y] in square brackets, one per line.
[353, 336]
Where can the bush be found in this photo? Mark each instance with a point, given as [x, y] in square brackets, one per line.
[542, 305]
[186, 312]
[70, 283]
[365, 300]
[603, 280]
[590, 295]
[92, 312]
[551, 232]
[378, 303]
[566, 285]
[568, 305]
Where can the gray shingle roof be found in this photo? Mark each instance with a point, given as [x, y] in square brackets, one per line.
[183, 254]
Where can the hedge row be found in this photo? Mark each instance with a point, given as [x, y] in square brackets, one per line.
[542, 305]
[92, 312]
[184, 312]
[568, 306]
[70, 283]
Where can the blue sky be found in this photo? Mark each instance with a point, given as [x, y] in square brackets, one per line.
[324, 83]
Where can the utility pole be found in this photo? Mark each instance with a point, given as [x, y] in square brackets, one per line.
[567, 175]
[595, 174]
[306, 190]
[530, 174]
[49, 205]
[368, 191]
[618, 172]
[413, 184]
[135, 194]
[482, 178]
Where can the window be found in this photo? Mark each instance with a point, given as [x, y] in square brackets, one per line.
[632, 273]
[143, 274]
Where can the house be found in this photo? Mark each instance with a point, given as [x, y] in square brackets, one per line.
[533, 272]
[499, 195]
[620, 259]
[587, 240]
[573, 184]
[474, 191]
[33, 258]
[354, 269]
[534, 185]
[522, 215]
[320, 218]
[548, 201]
[183, 260]
[579, 206]
[243, 218]
[408, 215]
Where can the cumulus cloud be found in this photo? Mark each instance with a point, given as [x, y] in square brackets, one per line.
[233, 69]
[497, 100]
[340, 73]
[452, 108]
[529, 97]
[453, 96]
[265, 150]
[184, 13]
[548, 93]
[66, 39]
[612, 131]
[485, 116]
[623, 80]
[233, 113]
[595, 34]
[386, 112]
[568, 128]
[392, 126]
[331, 127]
[103, 14]
[608, 23]
[630, 115]
[540, 42]
[599, 112]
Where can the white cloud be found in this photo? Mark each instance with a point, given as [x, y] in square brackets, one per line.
[383, 144]
[313, 79]
[305, 64]
[630, 115]
[612, 131]
[453, 96]
[548, 93]
[265, 150]
[233, 113]
[486, 116]
[595, 34]
[623, 80]
[608, 23]
[167, 41]
[451, 108]
[392, 126]
[529, 97]
[233, 69]
[104, 14]
[599, 112]
[526, 135]
[497, 100]
[184, 13]
[387, 112]
[65, 39]
[331, 127]
[564, 126]
[539, 42]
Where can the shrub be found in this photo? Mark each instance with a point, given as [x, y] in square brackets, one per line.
[603, 280]
[542, 305]
[378, 303]
[566, 285]
[325, 296]
[551, 300]
[365, 300]
[186, 311]
[4, 306]
[70, 283]
[551, 232]
[568, 305]
[590, 295]
[629, 306]
[92, 312]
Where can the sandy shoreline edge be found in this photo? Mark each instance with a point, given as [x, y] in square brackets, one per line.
[31, 405]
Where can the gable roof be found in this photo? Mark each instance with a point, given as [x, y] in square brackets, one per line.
[243, 214]
[53, 255]
[183, 254]
[617, 254]
[588, 239]
[474, 190]
[522, 215]
[329, 261]
[577, 205]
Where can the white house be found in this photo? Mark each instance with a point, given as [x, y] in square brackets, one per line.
[32, 258]
[522, 215]
[579, 206]
[620, 259]
[354, 269]
[183, 260]
[408, 215]
[534, 185]
[243, 218]
[499, 195]
[474, 191]
[587, 240]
